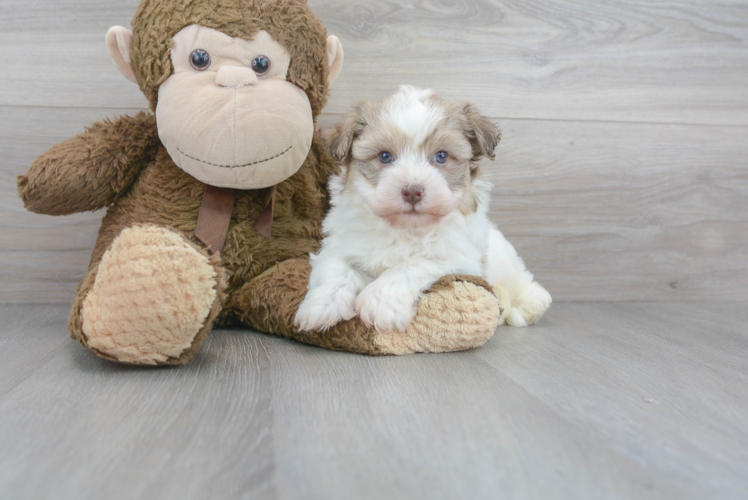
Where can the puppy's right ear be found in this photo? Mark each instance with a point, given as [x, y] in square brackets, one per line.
[338, 140]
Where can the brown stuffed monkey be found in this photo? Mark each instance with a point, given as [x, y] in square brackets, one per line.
[216, 199]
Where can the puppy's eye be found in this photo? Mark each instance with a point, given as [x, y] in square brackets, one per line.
[261, 65]
[441, 157]
[385, 157]
[200, 59]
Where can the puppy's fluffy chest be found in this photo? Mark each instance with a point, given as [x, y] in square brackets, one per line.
[373, 246]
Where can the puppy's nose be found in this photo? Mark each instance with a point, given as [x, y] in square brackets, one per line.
[412, 194]
[235, 77]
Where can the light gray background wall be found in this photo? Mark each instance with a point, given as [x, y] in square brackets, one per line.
[622, 175]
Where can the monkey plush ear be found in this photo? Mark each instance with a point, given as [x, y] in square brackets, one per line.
[119, 43]
[483, 135]
[335, 57]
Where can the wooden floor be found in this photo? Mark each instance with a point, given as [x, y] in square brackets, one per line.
[598, 401]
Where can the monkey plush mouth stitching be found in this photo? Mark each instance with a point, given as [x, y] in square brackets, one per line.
[236, 166]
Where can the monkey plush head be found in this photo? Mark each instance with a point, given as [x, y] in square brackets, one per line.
[236, 84]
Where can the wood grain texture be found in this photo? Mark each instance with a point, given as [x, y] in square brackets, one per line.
[599, 211]
[612, 401]
[117, 432]
[626, 211]
[683, 61]
[661, 368]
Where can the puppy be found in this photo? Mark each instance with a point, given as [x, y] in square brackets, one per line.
[407, 209]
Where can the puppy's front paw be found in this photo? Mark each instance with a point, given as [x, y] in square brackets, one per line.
[324, 308]
[385, 308]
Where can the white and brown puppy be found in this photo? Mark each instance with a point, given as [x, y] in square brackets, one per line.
[407, 209]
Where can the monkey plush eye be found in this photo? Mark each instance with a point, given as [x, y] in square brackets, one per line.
[261, 65]
[441, 157]
[200, 59]
[385, 157]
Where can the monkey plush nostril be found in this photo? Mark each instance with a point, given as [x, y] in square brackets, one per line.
[413, 194]
[235, 77]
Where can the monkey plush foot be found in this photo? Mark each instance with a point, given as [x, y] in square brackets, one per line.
[457, 313]
[153, 298]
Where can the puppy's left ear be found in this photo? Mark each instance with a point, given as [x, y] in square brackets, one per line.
[483, 134]
[338, 140]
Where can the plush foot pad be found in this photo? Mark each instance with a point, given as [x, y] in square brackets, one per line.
[153, 295]
[456, 314]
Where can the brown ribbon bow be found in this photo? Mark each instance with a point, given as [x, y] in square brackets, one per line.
[215, 216]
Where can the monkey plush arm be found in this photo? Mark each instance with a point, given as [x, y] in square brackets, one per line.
[91, 170]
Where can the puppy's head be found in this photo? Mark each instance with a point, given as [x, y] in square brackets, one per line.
[413, 157]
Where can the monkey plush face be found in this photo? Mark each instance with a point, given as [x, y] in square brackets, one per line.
[227, 116]
[231, 110]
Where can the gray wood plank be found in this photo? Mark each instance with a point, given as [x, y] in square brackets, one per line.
[609, 211]
[24, 350]
[437, 427]
[661, 383]
[681, 62]
[633, 400]
[82, 428]
[60, 57]
[626, 211]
